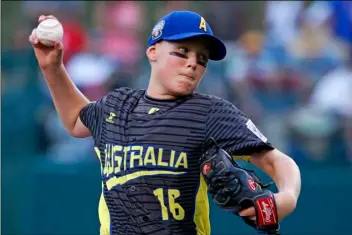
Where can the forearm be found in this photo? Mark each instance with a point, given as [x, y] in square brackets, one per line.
[68, 100]
[282, 169]
[285, 172]
[286, 175]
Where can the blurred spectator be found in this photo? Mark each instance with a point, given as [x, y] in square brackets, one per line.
[250, 64]
[316, 136]
[238, 66]
[36, 8]
[314, 51]
[119, 35]
[165, 7]
[333, 94]
[91, 69]
[119, 31]
[75, 36]
[322, 128]
[33, 9]
[335, 14]
[228, 16]
[259, 76]
[282, 19]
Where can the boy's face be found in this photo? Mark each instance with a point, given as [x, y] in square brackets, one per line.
[179, 66]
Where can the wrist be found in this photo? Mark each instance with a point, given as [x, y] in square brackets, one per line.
[53, 68]
[55, 75]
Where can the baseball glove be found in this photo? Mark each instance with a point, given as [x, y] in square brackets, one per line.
[234, 188]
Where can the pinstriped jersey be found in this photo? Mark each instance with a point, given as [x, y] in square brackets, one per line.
[149, 152]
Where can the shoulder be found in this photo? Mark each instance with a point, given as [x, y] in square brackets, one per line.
[124, 92]
[211, 98]
[216, 103]
[122, 96]
[206, 97]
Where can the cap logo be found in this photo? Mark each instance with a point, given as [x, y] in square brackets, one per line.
[158, 30]
[203, 24]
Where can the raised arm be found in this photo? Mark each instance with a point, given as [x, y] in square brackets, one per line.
[68, 100]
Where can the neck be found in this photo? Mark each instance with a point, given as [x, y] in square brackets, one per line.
[156, 91]
[155, 94]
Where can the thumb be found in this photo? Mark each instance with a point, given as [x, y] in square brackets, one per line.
[247, 212]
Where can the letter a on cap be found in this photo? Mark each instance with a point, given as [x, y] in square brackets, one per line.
[202, 24]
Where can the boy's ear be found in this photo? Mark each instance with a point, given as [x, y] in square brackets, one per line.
[152, 53]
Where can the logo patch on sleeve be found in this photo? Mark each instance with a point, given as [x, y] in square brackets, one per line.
[250, 125]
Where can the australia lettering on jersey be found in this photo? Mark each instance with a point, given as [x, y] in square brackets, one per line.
[120, 158]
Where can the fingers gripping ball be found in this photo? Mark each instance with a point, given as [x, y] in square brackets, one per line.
[234, 188]
[49, 31]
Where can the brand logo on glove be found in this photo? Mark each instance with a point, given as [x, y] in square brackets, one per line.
[252, 185]
[267, 213]
[206, 168]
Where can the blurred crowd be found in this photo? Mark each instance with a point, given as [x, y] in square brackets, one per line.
[288, 67]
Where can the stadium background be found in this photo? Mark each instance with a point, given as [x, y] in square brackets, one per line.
[285, 68]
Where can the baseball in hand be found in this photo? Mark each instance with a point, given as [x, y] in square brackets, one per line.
[49, 31]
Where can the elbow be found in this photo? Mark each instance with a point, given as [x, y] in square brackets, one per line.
[291, 162]
[284, 161]
[75, 132]
[78, 130]
[292, 171]
[293, 166]
[72, 132]
[285, 172]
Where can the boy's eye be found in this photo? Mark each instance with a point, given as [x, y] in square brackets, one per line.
[203, 63]
[183, 53]
[180, 52]
[183, 49]
[203, 58]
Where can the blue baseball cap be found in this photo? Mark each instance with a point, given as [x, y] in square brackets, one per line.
[179, 25]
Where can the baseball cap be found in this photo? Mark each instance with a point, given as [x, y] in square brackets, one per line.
[179, 25]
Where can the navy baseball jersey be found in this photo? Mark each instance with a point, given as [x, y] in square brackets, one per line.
[149, 152]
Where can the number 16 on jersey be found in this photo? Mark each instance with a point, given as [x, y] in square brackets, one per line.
[176, 209]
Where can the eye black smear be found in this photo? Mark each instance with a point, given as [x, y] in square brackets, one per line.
[178, 54]
[174, 53]
[204, 64]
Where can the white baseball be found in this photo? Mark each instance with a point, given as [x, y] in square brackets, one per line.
[49, 31]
